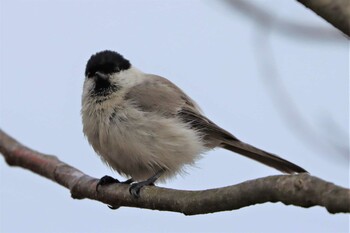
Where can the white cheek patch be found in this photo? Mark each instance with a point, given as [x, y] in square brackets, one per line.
[128, 78]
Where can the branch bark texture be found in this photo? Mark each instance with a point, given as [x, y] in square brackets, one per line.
[300, 190]
[336, 12]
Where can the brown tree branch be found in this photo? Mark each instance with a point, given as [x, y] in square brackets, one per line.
[336, 12]
[300, 190]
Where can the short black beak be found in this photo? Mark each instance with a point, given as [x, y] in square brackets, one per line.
[102, 76]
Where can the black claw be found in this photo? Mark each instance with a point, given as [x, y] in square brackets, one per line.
[135, 188]
[106, 180]
[113, 207]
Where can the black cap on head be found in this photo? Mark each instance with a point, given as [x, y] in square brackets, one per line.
[106, 62]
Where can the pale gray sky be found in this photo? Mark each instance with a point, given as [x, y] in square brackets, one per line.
[218, 57]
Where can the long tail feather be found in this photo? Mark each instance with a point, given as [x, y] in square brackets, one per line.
[262, 156]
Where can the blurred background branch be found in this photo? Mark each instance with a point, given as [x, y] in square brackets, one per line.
[266, 23]
[281, 25]
[336, 12]
[291, 114]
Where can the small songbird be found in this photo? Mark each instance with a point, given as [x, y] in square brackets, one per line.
[146, 128]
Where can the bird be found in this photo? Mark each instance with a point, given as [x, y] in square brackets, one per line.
[147, 129]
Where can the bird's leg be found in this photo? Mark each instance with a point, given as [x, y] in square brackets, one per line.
[136, 187]
[107, 180]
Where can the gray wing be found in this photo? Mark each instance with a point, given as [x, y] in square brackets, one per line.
[157, 94]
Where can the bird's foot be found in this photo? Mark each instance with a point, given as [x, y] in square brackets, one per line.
[136, 187]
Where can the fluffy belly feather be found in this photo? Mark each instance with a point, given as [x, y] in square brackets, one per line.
[138, 144]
